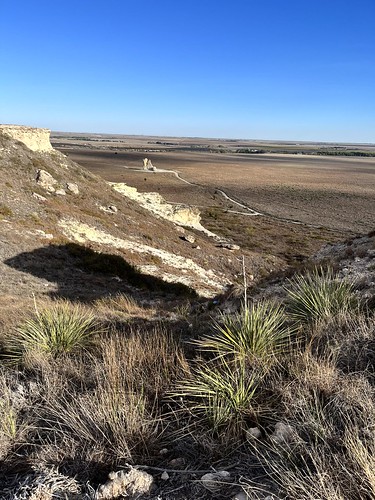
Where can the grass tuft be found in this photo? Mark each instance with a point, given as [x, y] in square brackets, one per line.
[320, 295]
[257, 333]
[222, 395]
[59, 329]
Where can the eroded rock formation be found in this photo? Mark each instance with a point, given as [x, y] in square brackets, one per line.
[36, 139]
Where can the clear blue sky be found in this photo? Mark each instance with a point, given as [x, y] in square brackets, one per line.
[271, 69]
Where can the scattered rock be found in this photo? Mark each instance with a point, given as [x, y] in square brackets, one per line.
[228, 246]
[60, 192]
[132, 484]
[39, 197]
[72, 187]
[177, 463]
[253, 433]
[214, 480]
[113, 208]
[283, 433]
[188, 237]
[165, 476]
[45, 180]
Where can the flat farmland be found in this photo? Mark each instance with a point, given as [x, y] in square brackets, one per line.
[336, 193]
[283, 203]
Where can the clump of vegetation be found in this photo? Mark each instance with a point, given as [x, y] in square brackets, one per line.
[319, 295]
[257, 333]
[139, 391]
[5, 211]
[53, 331]
[221, 395]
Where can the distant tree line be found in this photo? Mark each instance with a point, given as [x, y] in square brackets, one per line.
[346, 153]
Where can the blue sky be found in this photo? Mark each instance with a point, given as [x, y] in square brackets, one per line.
[271, 69]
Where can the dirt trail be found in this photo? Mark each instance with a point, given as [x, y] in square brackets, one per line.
[250, 211]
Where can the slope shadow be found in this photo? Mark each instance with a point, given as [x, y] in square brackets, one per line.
[85, 275]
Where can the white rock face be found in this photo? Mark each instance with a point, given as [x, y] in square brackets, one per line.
[181, 215]
[36, 139]
[204, 282]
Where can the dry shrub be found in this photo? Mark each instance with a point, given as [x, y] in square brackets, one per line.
[117, 418]
[13, 310]
[334, 416]
[148, 360]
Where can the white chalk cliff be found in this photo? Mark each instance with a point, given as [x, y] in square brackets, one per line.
[36, 139]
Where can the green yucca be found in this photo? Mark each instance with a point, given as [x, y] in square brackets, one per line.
[59, 329]
[256, 332]
[320, 294]
[223, 394]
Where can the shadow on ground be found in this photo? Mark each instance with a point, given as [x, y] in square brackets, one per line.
[82, 274]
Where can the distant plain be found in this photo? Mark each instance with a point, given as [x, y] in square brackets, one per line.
[304, 199]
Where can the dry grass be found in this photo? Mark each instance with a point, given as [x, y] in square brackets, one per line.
[115, 417]
[122, 306]
[93, 411]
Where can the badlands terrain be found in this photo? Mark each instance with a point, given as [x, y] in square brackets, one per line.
[196, 326]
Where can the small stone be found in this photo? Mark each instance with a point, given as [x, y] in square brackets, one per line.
[177, 463]
[72, 187]
[113, 208]
[284, 433]
[132, 484]
[213, 480]
[39, 197]
[253, 433]
[163, 451]
[45, 180]
[165, 476]
[60, 192]
[228, 246]
[188, 237]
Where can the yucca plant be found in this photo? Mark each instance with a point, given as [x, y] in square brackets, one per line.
[256, 333]
[57, 330]
[223, 394]
[320, 295]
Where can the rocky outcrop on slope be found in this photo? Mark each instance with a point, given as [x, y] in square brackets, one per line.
[36, 139]
[43, 189]
[179, 214]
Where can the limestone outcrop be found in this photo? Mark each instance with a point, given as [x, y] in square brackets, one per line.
[36, 139]
[181, 215]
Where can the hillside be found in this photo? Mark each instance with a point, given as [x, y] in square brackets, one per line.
[143, 357]
[38, 221]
